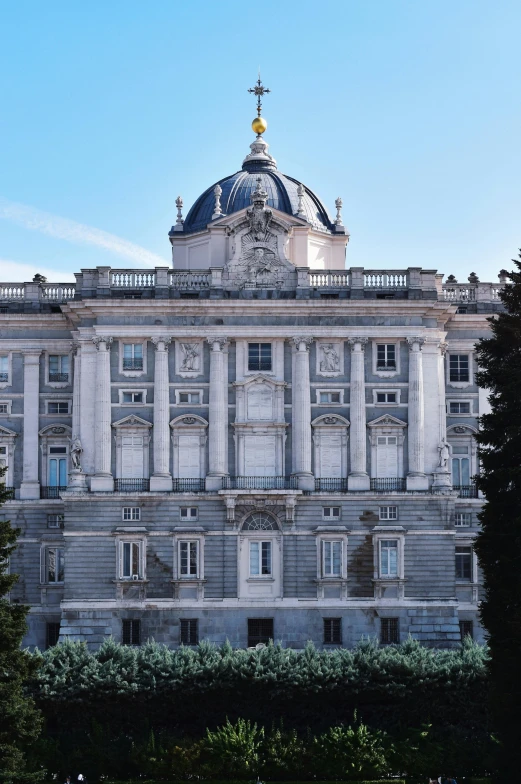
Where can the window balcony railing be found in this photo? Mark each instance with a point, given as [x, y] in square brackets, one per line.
[52, 491]
[131, 485]
[466, 491]
[388, 485]
[9, 492]
[336, 485]
[189, 485]
[386, 365]
[459, 377]
[4, 377]
[132, 364]
[58, 377]
[260, 483]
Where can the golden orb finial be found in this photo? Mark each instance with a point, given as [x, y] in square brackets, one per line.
[259, 125]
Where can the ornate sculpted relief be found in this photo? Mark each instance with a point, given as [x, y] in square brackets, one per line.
[188, 358]
[330, 358]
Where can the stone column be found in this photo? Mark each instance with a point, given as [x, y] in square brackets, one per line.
[30, 487]
[217, 414]
[76, 394]
[442, 474]
[416, 478]
[301, 399]
[103, 479]
[161, 478]
[358, 478]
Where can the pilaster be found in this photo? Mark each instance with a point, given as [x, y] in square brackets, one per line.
[301, 398]
[30, 486]
[416, 478]
[102, 479]
[358, 478]
[161, 479]
[217, 414]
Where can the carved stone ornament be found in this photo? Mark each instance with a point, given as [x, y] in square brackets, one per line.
[259, 260]
[57, 430]
[164, 340]
[460, 429]
[298, 339]
[354, 340]
[413, 340]
[190, 353]
[189, 420]
[330, 360]
[220, 340]
[443, 348]
[99, 339]
[330, 420]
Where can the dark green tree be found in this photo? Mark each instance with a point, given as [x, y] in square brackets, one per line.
[499, 542]
[20, 721]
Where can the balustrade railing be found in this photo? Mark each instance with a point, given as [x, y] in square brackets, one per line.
[190, 280]
[132, 279]
[12, 291]
[131, 485]
[58, 377]
[466, 491]
[260, 483]
[328, 483]
[388, 485]
[329, 278]
[392, 279]
[132, 364]
[57, 293]
[188, 485]
[48, 491]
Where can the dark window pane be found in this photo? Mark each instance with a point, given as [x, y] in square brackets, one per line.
[333, 631]
[389, 631]
[259, 630]
[131, 632]
[466, 628]
[259, 356]
[53, 633]
[463, 563]
[189, 631]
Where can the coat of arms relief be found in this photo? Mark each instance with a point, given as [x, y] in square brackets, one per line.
[258, 257]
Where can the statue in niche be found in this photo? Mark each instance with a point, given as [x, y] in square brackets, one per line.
[76, 449]
[330, 362]
[444, 455]
[191, 354]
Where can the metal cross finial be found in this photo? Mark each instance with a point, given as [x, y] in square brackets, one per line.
[259, 90]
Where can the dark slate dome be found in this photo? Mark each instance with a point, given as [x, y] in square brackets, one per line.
[237, 188]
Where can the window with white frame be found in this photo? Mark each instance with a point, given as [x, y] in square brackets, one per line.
[58, 406]
[131, 559]
[57, 466]
[385, 398]
[388, 513]
[55, 520]
[331, 512]
[461, 472]
[189, 442]
[459, 368]
[388, 557]
[387, 456]
[329, 397]
[459, 407]
[259, 356]
[188, 513]
[58, 368]
[132, 356]
[386, 356]
[188, 554]
[464, 563]
[3, 464]
[463, 519]
[189, 397]
[4, 368]
[332, 558]
[132, 397]
[5, 407]
[53, 565]
[260, 558]
[131, 513]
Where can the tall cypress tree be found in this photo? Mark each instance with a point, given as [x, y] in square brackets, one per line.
[499, 542]
[20, 722]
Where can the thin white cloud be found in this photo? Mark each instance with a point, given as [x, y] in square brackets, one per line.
[16, 272]
[55, 226]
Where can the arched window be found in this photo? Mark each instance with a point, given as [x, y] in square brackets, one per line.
[260, 521]
[260, 559]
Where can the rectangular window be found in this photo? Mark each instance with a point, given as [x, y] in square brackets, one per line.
[189, 631]
[463, 519]
[131, 560]
[132, 356]
[459, 367]
[52, 634]
[190, 398]
[189, 559]
[460, 465]
[131, 632]
[131, 513]
[58, 407]
[389, 631]
[260, 630]
[131, 397]
[463, 563]
[188, 512]
[388, 558]
[459, 408]
[4, 369]
[55, 520]
[259, 356]
[386, 356]
[386, 397]
[331, 512]
[332, 631]
[58, 367]
[466, 629]
[331, 558]
[260, 559]
[58, 466]
[388, 513]
[54, 565]
[329, 397]
[3, 464]
[5, 407]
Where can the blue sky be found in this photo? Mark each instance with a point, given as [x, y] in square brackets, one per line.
[408, 109]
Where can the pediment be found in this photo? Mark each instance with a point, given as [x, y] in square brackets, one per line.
[237, 220]
[259, 378]
[131, 421]
[387, 420]
[6, 433]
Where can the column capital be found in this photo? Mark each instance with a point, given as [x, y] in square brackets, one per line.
[354, 340]
[298, 340]
[75, 347]
[412, 341]
[102, 340]
[443, 347]
[220, 340]
[32, 356]
[158, 341]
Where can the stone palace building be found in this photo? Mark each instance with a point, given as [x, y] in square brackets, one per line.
[257, 443]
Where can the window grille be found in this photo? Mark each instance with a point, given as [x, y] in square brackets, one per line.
[189, 631]
[466, 628]
[333, 631]
[389, 631]
[260, 630]
[131, 632]
[52, 634]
